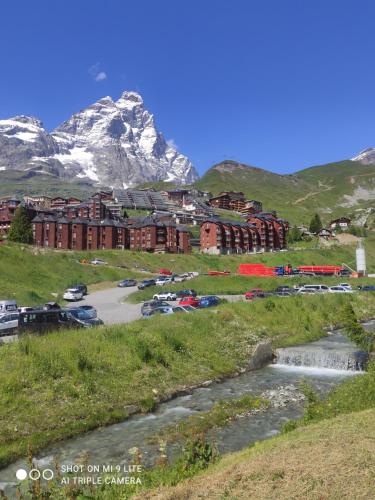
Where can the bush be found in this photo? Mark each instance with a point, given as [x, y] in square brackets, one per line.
[355, 330]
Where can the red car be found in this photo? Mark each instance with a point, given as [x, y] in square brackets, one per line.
[254, 293]
[189, 301]
[165, 272]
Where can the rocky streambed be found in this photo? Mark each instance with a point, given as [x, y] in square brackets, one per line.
[279, 384]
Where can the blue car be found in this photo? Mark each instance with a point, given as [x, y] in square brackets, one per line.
[209, 301]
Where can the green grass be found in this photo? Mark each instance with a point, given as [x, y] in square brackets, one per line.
[353, 395]
[229, 214]
[220, 415]
[20, 183]
[137, 212]
[333, 459]
[65, 383]
[33, 275]
[236, 285]
[296, 197]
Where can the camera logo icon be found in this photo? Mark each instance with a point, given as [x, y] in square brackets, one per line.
[35, 474]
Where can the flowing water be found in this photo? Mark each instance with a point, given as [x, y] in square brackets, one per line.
[325, 366]
[333, 352]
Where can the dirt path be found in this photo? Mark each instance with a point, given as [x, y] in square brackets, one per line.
[314, 193]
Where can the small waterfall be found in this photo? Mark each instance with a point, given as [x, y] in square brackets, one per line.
[335, 352]
[355, 361]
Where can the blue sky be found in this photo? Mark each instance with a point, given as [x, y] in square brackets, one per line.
[282, 85]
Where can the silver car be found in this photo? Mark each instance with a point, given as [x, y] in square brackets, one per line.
[8, 322]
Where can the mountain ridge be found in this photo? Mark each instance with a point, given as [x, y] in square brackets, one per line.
[113, 143]
[335, 189]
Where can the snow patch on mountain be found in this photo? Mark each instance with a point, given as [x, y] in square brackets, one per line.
[112, 143]
[367, 156]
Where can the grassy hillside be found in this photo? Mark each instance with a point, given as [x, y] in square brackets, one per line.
[333, 459]
[331, 456]
[18, 183]
[65, 383]
[33, 275]
[332, 190]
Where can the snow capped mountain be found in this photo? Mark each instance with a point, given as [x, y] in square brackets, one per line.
[24, 143]
[366, 157]
[112, 143]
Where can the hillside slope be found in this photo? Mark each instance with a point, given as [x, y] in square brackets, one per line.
[19, 183]
[332, 459]
[335, 189]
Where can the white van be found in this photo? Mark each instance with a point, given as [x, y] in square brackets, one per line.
[8, 306]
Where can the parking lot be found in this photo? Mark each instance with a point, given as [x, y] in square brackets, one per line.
[109, 306]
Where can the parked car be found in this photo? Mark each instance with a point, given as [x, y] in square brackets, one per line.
[258, 292]
[306, 291]
[152, 304]
[165, 296]
[315, 288]
[162, 280]
[49, 305]
[345, 272]
[285, 288]
[179, 278]
[209, 301]
[339, 289]
[23, 309]
[8, 322]
[189, 292]
[254, 293]
[84, 317]
[127, 282]
[159, 310]
[146, 283]
[367, 288]
[40, 321]
[72, 294]
[189, 301]
[165, 271]
[185, 308]
[82, 287]
[346, 285]
[8, 306]
[288, 290]
[185, 276]
[98, 262]
[89, 310]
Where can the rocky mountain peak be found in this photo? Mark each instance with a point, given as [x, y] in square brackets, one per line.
[28, 120]
[112, 143]
[129, 99]
[367, 156]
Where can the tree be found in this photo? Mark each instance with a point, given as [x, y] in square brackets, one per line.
[294, 235]
[21, 230]
[315, 224]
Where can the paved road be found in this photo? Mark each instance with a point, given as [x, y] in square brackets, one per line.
[109, 306]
